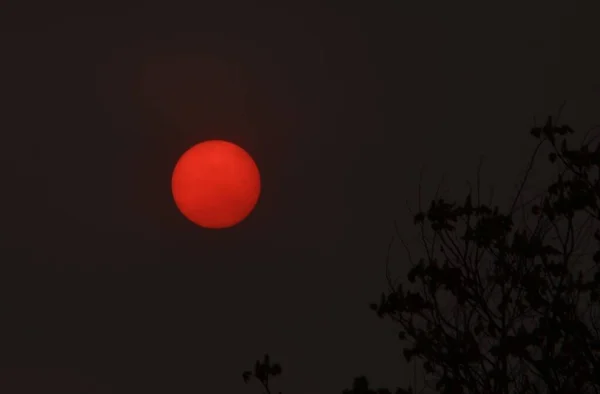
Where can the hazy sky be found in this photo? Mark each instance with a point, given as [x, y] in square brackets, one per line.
[340, 107]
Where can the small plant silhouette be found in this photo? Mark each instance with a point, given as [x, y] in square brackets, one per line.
[263, 370]
[503, 303]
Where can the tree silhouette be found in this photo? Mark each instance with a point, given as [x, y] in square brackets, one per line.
[505, 301]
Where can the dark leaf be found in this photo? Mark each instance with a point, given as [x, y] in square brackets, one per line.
[548, 130]
[419, 217]
[276, 369]
[246, 375]
[468, 206]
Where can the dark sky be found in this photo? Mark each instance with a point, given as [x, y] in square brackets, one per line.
[103, 281]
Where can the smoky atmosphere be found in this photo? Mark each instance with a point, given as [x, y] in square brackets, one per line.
[345, 109]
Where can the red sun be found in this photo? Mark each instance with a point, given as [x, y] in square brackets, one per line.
[215, 184]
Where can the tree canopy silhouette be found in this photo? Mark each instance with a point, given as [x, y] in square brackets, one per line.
[504, 301]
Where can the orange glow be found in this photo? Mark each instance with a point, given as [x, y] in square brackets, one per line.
[215, 184]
